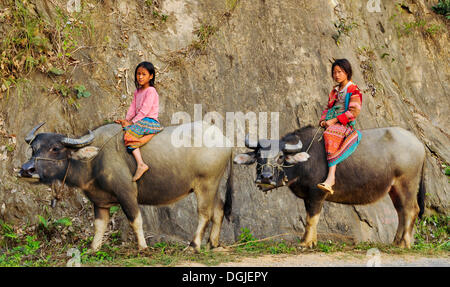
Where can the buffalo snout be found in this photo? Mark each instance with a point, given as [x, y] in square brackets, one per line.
[28, 169]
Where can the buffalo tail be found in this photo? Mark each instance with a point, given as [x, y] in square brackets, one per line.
[227, 207]
[422, 191]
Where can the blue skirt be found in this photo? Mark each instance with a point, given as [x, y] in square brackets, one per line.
[139, 133]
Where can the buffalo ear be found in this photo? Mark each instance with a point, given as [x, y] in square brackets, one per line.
[298, 157]
[245, 158]
[85, 153]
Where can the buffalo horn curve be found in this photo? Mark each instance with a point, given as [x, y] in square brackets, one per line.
[248, 144]
[293, 147]
[30, 135]
[77, 143]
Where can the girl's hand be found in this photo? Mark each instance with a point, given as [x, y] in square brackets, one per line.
[330, 122]
[124, 123]
[322, 124]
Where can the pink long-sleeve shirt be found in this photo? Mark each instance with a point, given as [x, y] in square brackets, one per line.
[145, 104]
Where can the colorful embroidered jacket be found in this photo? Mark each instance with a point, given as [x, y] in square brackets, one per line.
[354, 104]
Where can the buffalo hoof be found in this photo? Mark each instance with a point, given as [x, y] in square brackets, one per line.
[218, 248]
[94, 248]
[402, 244]
[308, 244]
[143, 248]
[192, 248]
[221, 249]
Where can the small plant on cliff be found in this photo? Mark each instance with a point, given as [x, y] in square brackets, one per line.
[406, 28]
[32, 43]
[81, 92]
[25, 44]
[343, 28]
[154, 7]
[70, 94]
[443, 8]
[231, 4]
[204, 33]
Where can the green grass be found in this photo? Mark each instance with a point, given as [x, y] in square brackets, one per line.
[330, 246]
[431, 238]
[34, 247]
[432, 232]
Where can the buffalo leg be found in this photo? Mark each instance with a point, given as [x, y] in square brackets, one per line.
[136, 224]
[100, 225]
[403, 195]
[217, 220]
[395, 197]
[130, 207]
[313, 209]
[205, 202]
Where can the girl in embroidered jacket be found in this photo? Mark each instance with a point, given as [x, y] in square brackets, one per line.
[141, 122]
[344, 105]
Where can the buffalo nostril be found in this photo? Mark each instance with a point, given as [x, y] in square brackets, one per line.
[266, 175]
[27, 171]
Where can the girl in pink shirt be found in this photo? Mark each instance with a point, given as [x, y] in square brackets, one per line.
[141, 122]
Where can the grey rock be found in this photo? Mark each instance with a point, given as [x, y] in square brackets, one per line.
[265, 56]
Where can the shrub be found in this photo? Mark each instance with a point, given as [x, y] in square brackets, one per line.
[443, 8]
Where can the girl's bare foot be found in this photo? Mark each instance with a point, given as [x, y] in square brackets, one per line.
[141, 169]
[327, 186]
[329, 182]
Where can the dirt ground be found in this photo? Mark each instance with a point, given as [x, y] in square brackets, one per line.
[337, 259]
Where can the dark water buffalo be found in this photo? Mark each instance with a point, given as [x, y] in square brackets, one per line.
[387, 160]
[100, 166]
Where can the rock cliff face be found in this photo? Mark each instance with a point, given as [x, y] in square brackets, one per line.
[248, 56]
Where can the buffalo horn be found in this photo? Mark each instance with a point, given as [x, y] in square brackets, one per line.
[252, 145]
[293, 147]
[30, 135]
[81, 142]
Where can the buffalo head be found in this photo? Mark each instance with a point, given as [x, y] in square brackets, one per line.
[50, 154]
[272, 158]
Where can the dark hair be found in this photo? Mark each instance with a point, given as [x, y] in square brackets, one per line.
[345, 65]
[151, 70]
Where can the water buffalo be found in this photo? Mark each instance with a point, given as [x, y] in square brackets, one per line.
[387, 160]
[99, 164]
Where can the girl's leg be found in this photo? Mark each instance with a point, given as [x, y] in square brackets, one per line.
[141, 166]
[329, 182]
[331, 176]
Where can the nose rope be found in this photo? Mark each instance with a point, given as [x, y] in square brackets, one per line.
[279, 166]
[310, 144]
[58, 191]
